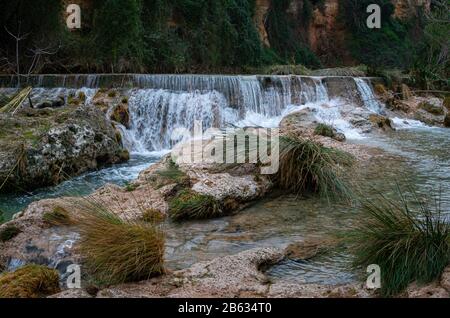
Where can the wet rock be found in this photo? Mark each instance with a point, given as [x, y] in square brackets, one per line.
[339, 137]
[59, 102]
[309, 248]
[447, 120]
[121, 114]
[230, 276]
[381, 122]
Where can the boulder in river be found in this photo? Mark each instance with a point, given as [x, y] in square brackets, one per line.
[42, 147]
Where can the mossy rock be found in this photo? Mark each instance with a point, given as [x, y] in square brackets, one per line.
[58, 217]
[9, 232]
[30, 281]
[124, 155]
[121, 115]
[432, 109]
[190, 205]
[381, 122]
[380, 89]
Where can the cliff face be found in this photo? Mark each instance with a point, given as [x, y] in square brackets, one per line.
[324, 33]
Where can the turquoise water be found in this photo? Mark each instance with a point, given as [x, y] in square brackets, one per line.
[418, 157]
[79, 186]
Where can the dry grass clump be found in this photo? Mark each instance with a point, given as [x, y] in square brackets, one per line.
[410, 241]
[57, 217]
[308, 166]
[117, 251]
[30, 281]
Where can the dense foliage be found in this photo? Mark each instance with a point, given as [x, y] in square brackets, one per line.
[176, 36]
[389, 46]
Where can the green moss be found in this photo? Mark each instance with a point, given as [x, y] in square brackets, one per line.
[112, 94]
[190, 205]
[324, 130]
[30, 281]
[58, 217]
[170, 175]
[9, 232]
[130, 187]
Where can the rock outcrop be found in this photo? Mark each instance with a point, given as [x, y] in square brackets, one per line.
[42, 147]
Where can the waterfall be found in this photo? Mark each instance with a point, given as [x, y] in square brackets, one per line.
[168, 102]
[159, 104]
[367, 96]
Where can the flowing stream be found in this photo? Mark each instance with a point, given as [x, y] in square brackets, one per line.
[415, 154]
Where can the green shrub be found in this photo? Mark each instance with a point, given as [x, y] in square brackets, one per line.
[409, 244]
[189, 205]
[308, 166]
[9, 232]
[30, 281]
[117, 251]
[324, 130]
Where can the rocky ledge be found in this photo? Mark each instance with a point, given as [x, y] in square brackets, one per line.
[42, 147]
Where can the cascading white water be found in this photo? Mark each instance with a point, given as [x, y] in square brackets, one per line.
[367, 96]
[175, 101]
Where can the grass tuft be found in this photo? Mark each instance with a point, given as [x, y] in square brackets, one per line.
[190, 205]
[58, 217]
[9, 232]
[409, 244]
[30, 281]
[153, 216]
[308, 166]
[117, 251]
[324, 130]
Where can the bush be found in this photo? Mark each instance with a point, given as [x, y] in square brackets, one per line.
[324, 130]
[408, 244]
[30, 281]
[9, 232]
[117, 251]
[189, 205]
[308, 166]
